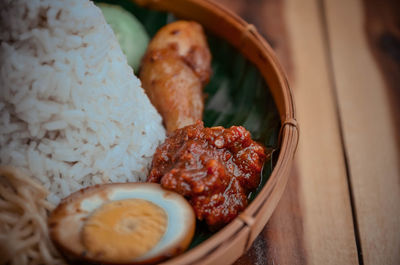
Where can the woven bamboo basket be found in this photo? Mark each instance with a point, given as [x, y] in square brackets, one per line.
[235, 239]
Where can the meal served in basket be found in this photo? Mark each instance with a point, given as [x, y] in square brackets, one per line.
[81, 135]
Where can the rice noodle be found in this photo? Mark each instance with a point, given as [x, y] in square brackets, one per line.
[24, 235]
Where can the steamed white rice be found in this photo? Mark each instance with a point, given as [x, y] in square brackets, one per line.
[72, 113]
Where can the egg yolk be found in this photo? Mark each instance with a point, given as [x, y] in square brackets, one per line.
[121, 231]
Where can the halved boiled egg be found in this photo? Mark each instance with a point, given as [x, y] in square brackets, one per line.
[122, 223]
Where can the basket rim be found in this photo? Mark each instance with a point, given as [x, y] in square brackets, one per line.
[289, 135]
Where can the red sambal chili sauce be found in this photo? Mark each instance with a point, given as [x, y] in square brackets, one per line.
[214, 168]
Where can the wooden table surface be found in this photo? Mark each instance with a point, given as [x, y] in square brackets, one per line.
[342, 201]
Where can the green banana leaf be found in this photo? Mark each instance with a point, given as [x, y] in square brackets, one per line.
[236, 94]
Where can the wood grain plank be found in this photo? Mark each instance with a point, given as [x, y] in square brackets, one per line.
[313, 221]
[368, 112]
[324, 195]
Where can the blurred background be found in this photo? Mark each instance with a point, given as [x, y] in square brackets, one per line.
[342, 201]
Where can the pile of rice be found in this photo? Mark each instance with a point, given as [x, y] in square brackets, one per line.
[72, 113]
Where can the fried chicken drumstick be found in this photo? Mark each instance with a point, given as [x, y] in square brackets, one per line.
[175, 68]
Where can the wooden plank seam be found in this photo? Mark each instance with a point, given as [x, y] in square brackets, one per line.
[332, 77]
